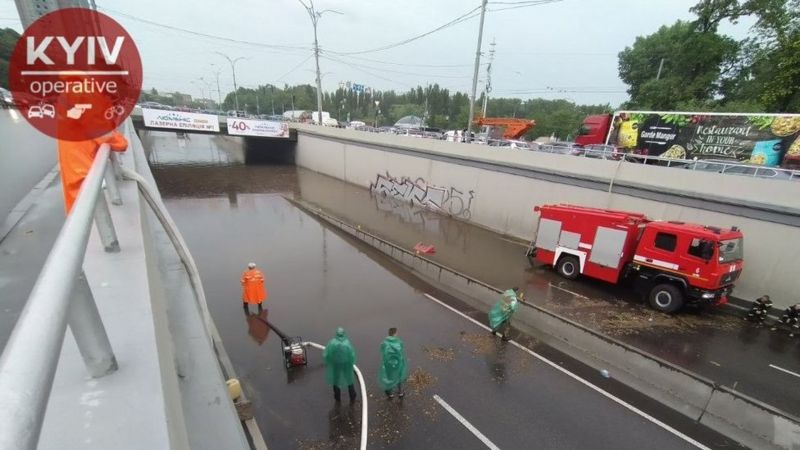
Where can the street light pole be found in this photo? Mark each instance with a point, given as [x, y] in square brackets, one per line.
[475, 73]
[219, 93]
[233, 70]
[315, 16]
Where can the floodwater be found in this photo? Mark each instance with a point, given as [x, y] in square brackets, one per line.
[231, 214]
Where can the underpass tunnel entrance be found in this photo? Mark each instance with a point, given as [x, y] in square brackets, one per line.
[269, 151]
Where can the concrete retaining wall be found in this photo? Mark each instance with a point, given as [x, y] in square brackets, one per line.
[735, 415]
[507, 184]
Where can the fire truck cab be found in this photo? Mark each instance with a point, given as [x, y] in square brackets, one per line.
[672, 263]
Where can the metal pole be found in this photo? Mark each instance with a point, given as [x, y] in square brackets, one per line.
[487, 87]
[475, 74]
[660, 66]
[111, 185]
[105, 226]
[314, 19]
[87, 329]
[30, 357]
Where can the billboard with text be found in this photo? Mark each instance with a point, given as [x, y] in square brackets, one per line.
[253, 127]
[180, 120]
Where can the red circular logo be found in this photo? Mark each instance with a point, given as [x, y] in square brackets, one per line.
[75, 74]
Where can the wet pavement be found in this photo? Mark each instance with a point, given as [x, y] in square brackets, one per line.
[231, 214]
[26, 155]
[714, 343]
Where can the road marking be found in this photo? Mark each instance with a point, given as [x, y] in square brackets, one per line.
[715, 363]
[577, 378]
[785, 370]
[466, 423]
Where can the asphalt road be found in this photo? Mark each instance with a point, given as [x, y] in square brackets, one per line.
[26, 156]
[319, 280]
[711, 342]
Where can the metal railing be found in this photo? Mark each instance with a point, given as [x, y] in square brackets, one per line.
[60, 297]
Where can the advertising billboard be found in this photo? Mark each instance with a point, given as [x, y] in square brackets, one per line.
[253, 127]
[751, 138]
[180, 120]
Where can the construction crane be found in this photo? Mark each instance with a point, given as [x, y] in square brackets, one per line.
[512, 128]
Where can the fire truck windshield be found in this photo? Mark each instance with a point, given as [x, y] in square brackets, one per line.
[731, 250]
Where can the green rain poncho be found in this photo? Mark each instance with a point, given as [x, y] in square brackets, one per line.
[394, 369]
[339, 357]
[503, 309]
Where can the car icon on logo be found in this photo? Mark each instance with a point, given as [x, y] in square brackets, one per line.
[35, 112]
[49, 110]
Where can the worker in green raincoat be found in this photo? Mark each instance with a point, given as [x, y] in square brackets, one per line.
[340, 357]
[501, 312]
[394, 368]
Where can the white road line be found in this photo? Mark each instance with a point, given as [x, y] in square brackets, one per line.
[577, 378]
[466, 423]
[785, 370]
[555, 286]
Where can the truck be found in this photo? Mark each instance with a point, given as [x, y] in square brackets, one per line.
[672, 263]
[754, 138]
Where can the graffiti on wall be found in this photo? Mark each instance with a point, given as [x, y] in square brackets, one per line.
[418, 192]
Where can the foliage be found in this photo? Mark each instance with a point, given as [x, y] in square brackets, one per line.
[706, 71]
[693, 64]
[8, 39]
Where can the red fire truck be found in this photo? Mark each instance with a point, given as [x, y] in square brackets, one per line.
[673, 263]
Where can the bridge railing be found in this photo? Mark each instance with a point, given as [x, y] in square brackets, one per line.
[61, 296]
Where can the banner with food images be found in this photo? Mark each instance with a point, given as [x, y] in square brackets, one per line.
[752, 138]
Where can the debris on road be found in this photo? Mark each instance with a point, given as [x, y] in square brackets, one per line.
[440, 353]
[482, 344]
[420, 380]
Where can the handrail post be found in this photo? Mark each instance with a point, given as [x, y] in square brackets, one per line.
[115, 165]
[111, 184]
[105, 226]
[90, 334]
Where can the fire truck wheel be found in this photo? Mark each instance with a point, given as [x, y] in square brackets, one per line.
[568, 267]
[666, 298]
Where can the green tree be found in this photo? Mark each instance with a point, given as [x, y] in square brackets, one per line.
[8, 39]
[694, 59]
[767, 68]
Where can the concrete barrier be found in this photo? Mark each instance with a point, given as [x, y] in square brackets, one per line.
[746, 420]
[497, 189]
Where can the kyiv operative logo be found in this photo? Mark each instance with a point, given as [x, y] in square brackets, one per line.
[75, 74]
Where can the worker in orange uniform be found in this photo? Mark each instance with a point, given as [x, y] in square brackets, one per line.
[253, 291]
[75, 158]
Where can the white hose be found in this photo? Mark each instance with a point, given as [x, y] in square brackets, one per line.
[364, 427]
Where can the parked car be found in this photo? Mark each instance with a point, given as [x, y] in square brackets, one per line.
[561, 148]
[6, 99]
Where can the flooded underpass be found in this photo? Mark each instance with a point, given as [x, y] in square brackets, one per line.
[318, 279]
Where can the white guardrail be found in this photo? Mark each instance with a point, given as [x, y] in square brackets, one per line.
[60, 296]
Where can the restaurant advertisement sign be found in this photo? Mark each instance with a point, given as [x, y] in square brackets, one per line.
[751, 138]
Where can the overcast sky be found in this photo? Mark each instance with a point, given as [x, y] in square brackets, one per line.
[566, 49]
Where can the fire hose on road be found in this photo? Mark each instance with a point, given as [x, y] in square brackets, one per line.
[294, 355]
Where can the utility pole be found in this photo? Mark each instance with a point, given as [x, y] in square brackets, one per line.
[487, 87]
[219, 93]
[475, 73]
[233, 69]
[660, 66]
[315, 16]
[272, 97]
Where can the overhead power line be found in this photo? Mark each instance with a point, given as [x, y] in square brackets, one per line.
[295, 67]
[380, 69]
[205, 35]
[464, 17]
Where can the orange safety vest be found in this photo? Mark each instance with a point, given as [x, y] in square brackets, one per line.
[75, 159]
[253, 291]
